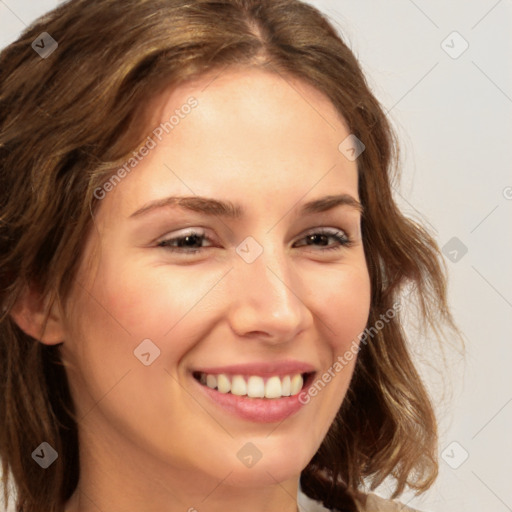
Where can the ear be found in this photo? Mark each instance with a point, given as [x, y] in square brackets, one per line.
[39, 317]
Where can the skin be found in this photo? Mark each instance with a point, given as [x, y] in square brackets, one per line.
[149, 438]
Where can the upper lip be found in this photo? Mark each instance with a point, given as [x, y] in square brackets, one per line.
[263, 369]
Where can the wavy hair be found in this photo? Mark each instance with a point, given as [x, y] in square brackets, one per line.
[66, 121]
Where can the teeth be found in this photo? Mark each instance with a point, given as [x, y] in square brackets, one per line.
[255, 386]
[286, 383]
[238, 386]
[223, 384]
[296, 384]
[273, 388]
[211, 381]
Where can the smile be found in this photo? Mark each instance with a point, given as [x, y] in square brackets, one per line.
[271, 396]
[254, 386]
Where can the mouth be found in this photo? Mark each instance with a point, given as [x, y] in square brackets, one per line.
[255, 386]
[259, 391]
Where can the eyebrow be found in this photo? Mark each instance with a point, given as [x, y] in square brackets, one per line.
[234, 211]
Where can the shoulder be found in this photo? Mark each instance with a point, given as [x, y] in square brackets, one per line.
[374, 503]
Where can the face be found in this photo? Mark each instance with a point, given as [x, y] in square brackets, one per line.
[254, 285]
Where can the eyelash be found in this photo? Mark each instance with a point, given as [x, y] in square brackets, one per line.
[339, 236]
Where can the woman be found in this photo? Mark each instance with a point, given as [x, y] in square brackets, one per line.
[202, 266]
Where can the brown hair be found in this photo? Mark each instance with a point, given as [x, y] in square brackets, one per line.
[67, 120]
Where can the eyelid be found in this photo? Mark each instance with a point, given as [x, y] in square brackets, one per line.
[184, 232]
[326, 230]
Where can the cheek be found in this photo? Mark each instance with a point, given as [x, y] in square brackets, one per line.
[124, 305]
[341, 299]
[342, 303]
[150, 300]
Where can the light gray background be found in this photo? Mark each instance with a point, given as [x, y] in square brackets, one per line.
[454, 120]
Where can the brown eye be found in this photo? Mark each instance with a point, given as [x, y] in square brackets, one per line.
[322, 237]
[190, 242]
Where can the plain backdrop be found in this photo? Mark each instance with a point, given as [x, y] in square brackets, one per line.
[442, 71]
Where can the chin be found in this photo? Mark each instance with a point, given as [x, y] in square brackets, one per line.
[271, 462]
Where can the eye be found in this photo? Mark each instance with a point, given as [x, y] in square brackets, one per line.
[321, 237]
[188, 243]
[192, 242]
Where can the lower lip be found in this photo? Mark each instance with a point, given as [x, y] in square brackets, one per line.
[261, 410]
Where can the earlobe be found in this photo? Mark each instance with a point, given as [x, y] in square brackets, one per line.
[39, 317]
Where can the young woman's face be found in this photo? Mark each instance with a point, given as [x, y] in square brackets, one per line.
[251, 296]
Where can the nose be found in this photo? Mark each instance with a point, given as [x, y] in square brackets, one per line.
[267, 301]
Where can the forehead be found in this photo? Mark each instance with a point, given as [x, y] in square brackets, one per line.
[250, 131]
[267, 98]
